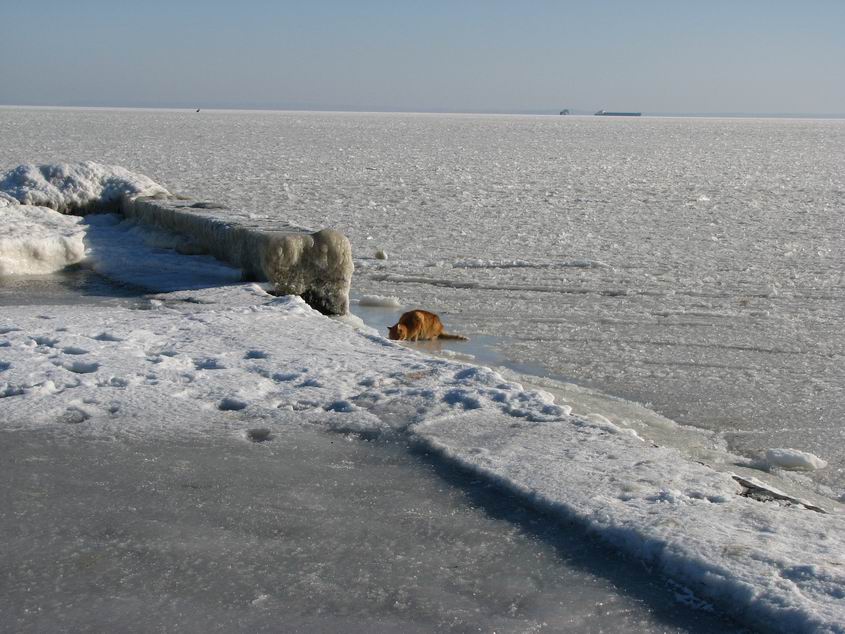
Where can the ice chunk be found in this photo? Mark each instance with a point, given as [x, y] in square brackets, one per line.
[794, 460]
[35, 240]
[378, 300]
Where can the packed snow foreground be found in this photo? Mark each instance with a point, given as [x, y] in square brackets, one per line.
[270, 362]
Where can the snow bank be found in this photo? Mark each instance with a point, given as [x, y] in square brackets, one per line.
[240, 353]
[76, 187]
[35, 240]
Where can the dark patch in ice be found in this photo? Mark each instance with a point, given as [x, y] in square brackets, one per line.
[47, 342]
[7, 329]
[73, 416]
[107, 336]
[260, 434]
[761, 494]
[208, 205]
[340, 406]
[116, 381]
[461, 397]
[5, 343]
[81, 367]
[310, 383]
[74, 350]
[194, 300]
[687, 597]
[10, 390]
[4, 365]
[256, 354]
[231, 405]
[208, 364]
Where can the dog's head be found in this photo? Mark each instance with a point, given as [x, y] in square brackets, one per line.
[399, 331]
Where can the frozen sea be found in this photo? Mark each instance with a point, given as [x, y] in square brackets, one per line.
[693, 266]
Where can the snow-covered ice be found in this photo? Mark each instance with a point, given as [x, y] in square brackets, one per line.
[687, 264]
[193, 358]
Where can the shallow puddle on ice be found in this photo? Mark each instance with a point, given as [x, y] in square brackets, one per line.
[305, 531]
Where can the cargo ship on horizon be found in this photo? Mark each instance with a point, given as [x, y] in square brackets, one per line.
[605, 113]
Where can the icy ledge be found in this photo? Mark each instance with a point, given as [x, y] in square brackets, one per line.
[33, 239]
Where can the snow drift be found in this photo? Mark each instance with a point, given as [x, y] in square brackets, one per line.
[77, 188]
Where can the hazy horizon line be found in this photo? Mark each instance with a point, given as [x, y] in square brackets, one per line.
[304, 107]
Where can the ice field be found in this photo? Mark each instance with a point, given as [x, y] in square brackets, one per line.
[693, 266]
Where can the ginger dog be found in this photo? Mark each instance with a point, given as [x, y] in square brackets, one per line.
[420, 325]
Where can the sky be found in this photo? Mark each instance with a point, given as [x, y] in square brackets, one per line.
[654, 56]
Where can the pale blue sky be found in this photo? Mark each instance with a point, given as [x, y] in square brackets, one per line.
[714, 56]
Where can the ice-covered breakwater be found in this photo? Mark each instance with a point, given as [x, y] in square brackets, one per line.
[315, 265]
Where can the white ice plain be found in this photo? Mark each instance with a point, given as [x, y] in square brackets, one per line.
[771, 562]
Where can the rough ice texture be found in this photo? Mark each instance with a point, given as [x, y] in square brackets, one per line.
[76, 187]
[317, 266]
[35, 240]
[113, 372]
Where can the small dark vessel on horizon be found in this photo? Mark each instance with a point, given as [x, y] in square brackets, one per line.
[605, 113]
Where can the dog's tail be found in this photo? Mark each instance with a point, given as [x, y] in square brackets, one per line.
[446, 335]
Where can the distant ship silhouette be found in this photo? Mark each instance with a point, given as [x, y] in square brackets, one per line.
[605, 113]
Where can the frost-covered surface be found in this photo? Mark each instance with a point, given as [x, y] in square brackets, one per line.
[194, 357]
[693, 265]
[723, 301]
[69, 187]
[36, 240]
